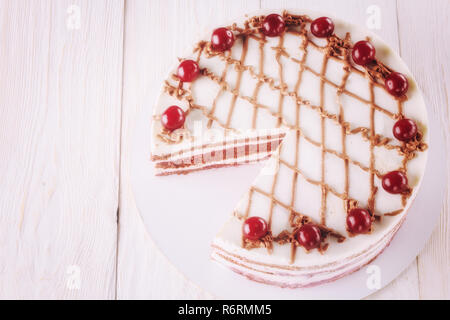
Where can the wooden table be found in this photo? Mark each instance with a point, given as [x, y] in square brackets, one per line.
[74, 77]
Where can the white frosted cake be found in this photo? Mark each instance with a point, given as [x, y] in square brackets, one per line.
[340, 120]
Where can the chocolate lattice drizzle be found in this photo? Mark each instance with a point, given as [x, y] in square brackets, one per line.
[337, 49]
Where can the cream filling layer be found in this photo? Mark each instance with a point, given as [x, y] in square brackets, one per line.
[226, 162]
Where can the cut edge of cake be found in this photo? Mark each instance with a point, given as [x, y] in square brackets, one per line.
[273, 274]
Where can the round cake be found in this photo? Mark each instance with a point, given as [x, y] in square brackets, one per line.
[335, 114]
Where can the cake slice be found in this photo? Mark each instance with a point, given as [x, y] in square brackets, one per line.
[332, 109]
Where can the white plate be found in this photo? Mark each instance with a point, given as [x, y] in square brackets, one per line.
[183, 214]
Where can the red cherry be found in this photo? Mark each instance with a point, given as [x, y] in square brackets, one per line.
[396, 84]
[222, 39]
[273, 25]
[395, 182]
[309, 236]
[188, 71]
[404, 129]
[363, 52]
[173, 118]
[322, 27]
[359, 221]
[254, 228]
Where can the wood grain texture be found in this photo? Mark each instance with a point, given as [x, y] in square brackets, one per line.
[59, 140]
[150, 275]
[426, 50]
[69, 101]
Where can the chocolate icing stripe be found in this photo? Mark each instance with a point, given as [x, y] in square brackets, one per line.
[294, 186]
[259, 83]
[347, 159]
[314, 182]
[292, 214]
[272, 189]
[255, 112]
[393, 213]
[238, 81]
[247, 211]
[323, 206]
[213, 107]
[279, 51]
[339, 92]
[373, 189]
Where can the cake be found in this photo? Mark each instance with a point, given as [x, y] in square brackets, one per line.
[337, 118]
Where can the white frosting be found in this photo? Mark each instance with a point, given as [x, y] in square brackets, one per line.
[355, 250]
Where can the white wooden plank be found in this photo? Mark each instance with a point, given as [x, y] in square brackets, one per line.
[425, 48]
[156, 32]
[59, 144]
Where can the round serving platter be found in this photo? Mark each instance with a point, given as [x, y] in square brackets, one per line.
[183, 213]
